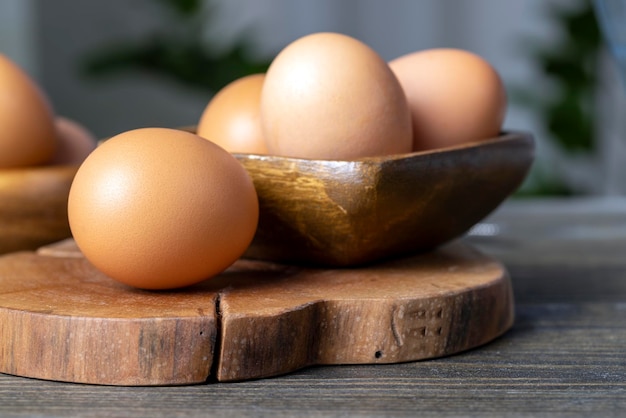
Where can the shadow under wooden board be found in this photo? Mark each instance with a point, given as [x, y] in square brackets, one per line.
[61, 319]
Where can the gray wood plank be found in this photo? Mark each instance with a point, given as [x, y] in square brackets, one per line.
[559, 359]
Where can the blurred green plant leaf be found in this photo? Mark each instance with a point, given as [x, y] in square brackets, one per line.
[178, 55]
[188, 63]
[183, 7]
[571, 68]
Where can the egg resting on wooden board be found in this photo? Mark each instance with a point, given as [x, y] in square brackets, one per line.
[160, 208]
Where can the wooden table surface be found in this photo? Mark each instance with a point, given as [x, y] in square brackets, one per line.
[565, 355]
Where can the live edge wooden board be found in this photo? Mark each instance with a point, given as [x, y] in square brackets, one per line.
[61, 319]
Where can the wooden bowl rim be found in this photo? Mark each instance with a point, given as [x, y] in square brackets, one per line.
[43, 169]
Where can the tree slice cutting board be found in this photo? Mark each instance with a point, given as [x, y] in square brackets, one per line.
[61, 319]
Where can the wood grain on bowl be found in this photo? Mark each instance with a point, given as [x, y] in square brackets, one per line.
[345, 213]
[33, 206]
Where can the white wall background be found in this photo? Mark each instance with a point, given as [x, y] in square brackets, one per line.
[16, 33]
[49, 38]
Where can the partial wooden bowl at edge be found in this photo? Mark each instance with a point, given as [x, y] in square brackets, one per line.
[33, 206]
[347, 213]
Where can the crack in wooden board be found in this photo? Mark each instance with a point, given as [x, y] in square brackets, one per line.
[61, 319]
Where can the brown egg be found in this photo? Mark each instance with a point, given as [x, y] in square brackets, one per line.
[27, 133]
[455, 96]
[330, 96]
[159, 208]
[75, 142]
[232, 117]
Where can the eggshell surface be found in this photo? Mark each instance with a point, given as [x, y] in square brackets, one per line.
[27, 132]
[330, 96]
[75, 142]
[232, 117]
[159, 208]
[455, 96]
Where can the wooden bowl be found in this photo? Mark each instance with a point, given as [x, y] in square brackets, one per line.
[346, 213]
[33, 206]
